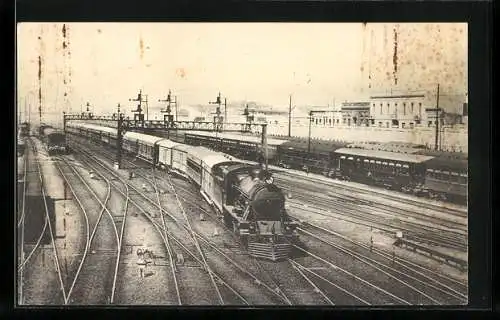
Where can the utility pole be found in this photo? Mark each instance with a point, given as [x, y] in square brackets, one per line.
[264, 144]
[437, 119]
[119, 138]
[290, 117]
[176, 109]
[225, 110]
[309, 140]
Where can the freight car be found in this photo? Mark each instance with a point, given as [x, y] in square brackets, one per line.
[243, 195]
[54, 140]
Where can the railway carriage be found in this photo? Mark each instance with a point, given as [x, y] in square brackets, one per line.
[320, 159]
[240, 146]
[194, 162]
[165, 153]
[447, 179]
[179, 157]
[390, 169]
[142, 145]
[207, 139]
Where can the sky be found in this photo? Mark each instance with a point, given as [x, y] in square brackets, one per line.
[107, 63]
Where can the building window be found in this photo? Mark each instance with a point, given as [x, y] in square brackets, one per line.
[420, 108]
[380, 124]
[411, 125]
[337, 120]
[429, 123]
[404, 108]
[387, 124]
[373, 108]
[412, 108]
[388, 111]
[381, 112]
[403, 124]
[330, 121]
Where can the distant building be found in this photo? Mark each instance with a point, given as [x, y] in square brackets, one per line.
[399, 111]
[410, 110]
[355, 113]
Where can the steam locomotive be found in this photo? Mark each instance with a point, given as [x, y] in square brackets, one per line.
[242, 194]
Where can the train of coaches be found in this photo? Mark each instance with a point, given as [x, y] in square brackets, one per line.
[242, 193]
[411, 169]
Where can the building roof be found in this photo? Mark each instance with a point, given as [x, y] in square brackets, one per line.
[399, 96]
[384, 155]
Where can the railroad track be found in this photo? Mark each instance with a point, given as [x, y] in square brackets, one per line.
[421, 233]
[37, 174]
[20, 227]
[353, 189]
[386, 208]
[191, 252]
[313, 275]
[435, 288]
[91, 281]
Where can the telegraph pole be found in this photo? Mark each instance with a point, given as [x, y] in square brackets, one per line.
[290, 117]
[225, 110]
[309, 140]
[437, 119]
[119, 138]
[264, 144]
[176, 109]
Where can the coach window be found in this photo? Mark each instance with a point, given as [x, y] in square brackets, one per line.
[406, 169]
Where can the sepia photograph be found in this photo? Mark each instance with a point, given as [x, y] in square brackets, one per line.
[241, 164]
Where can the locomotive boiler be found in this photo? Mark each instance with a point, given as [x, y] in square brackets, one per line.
[255, 207]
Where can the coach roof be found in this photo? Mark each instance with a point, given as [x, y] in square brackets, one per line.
[383, 155]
